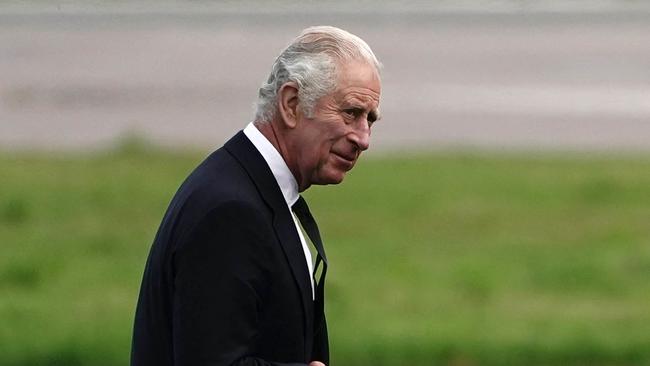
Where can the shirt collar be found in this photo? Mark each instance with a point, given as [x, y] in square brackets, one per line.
[276, 163]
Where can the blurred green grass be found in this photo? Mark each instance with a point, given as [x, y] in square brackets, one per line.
[450, 258]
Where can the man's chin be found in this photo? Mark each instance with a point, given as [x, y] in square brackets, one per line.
[338, 179]
[332, 178]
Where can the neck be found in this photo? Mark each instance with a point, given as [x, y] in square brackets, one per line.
[276, 137]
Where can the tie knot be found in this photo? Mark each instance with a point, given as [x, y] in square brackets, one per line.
[301, 210]
[300, 207]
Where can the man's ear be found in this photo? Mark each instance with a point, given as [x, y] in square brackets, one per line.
[288, 104]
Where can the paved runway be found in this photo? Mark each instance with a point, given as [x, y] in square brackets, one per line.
[534, 80]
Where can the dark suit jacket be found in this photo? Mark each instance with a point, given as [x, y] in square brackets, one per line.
[226, 282]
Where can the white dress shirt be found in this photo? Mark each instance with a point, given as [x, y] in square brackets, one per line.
[286, 181]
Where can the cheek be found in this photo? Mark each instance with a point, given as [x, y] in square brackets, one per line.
[314, 155]
[322, 139]
[318, 155]
[325, 138]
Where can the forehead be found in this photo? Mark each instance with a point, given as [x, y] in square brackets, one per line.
[358, 82]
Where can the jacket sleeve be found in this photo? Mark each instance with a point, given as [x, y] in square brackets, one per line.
[220, 273]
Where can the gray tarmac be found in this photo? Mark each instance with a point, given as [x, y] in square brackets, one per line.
[565, 80]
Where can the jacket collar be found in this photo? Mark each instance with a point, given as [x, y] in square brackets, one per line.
[241, 148]
[276, 163]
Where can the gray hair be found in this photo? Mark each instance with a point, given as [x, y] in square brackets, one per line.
[311, 62]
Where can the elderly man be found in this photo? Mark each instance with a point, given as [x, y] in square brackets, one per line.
[230, 278]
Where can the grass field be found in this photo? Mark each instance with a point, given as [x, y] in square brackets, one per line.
[443, 258]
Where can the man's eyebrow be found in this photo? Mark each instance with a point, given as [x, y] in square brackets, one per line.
[373, 114]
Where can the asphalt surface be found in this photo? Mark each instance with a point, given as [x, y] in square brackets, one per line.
[538, 80]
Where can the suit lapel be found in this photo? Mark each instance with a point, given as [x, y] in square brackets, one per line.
[255, 165]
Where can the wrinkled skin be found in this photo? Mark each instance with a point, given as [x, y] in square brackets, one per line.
[323, 148]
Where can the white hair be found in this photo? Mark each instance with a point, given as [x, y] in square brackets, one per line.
[311, 62]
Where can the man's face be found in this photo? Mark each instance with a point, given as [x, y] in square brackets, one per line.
[326, 146]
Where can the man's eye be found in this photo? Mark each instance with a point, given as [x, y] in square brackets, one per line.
[353, 112]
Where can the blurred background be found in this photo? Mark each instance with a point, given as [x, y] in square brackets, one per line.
[499, 218]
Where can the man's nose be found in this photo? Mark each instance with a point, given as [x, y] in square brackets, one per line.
[361, 134]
